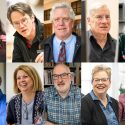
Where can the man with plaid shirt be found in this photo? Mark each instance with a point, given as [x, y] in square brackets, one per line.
[63, 100]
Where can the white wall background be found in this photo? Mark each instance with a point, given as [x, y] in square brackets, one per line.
[118, 77]
[113, 6]
[10, 68]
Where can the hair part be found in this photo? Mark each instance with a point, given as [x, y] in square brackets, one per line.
[20, 7]
[62, 5]
[32, 73]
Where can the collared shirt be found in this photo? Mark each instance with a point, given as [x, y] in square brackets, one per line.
[122, 107]
[2, 109]
[108, 111]
[69, 45]
[97, 54]
[63, 111]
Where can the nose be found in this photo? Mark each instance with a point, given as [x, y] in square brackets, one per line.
[104, 19]
[59, 78]
[100, 81]
[61, 22]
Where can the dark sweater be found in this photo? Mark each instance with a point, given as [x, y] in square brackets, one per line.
[91, 112]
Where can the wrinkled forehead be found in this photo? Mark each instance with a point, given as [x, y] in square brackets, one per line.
[104, 10]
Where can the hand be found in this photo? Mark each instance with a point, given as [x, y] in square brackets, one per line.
[40, 58]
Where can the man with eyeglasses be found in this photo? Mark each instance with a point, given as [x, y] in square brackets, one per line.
[63, 45]
[97, 107]
[28, 35]
[100, 45]
[63, 100]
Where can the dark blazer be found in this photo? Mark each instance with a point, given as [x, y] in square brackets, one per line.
[122, 48]
[48, 49]
[23, 53]
[91, 112]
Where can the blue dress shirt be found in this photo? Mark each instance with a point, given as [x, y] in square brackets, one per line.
[2, 109]
[69, 45]
[108, 111]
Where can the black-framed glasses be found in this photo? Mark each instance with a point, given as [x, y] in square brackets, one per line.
[102, 80]
[63, 76]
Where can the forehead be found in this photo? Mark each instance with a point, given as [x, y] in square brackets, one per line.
[60, 69]
[101, 74]
[20, 72]
[101, 11]
[16, 15]
[61, 12]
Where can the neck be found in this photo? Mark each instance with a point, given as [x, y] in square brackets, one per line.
[102, 98]
[64, 94]
[101, 39]
[32, 34]
[28, 97]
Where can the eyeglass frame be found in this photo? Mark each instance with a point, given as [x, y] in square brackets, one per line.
[23, 21]
[97, 80]
[62, 76]
[64, 19]
[100, 17]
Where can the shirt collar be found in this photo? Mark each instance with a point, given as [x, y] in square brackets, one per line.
[58, 41]
[95, 98]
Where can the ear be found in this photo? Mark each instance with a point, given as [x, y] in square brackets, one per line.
[33, 18]
[88, 20]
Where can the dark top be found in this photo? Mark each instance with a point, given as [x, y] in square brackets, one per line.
[122, 48]
[24, 53]
[91, 112]
[48, 49]
[96, 53]
[14, 109]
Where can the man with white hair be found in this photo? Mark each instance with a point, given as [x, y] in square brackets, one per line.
[101, 45]
[63, 45]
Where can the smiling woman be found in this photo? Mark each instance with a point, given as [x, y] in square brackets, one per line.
[27, 106]
[97, 107]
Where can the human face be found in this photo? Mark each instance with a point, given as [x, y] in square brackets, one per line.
[100, 21]
[24, 82]
[101, 83]
[62, 23]
[61, 79]
[22, 23]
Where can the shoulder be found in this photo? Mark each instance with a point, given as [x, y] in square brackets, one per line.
[14, 98]
[49, 39]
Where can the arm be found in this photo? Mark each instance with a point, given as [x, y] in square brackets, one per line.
[85, 112]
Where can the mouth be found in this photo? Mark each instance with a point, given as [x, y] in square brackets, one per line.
[61, 84]
[62, 29]
[100, 87]
[23, 85]
[23, 31]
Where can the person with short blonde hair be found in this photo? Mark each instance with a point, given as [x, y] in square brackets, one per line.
[27, 107]
[97, 107]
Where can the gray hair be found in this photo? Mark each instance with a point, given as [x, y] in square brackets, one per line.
[97, 6]
[62, 5]
[99, 68]
[20, 7]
